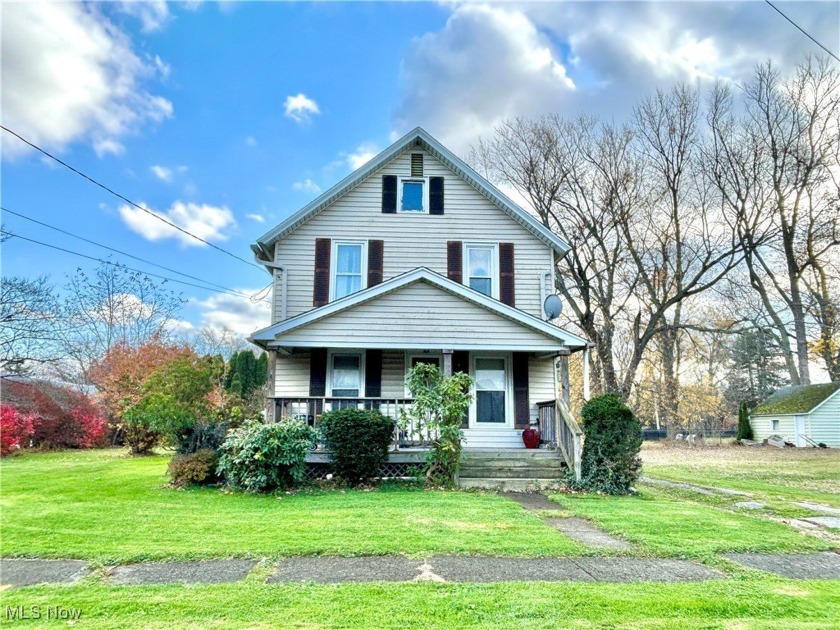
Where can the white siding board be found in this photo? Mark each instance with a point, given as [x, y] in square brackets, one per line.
[541, 383]
[763, 427]
[292, 375]
[824, 422]
[417, 315]
[393, 374]
[411, 240]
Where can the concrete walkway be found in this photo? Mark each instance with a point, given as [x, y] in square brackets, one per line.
[585, 532]
[469, 569]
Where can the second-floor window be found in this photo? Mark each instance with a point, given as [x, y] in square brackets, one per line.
[480, 262]
[349, 268]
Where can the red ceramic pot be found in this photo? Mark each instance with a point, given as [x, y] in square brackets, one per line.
[531, 438]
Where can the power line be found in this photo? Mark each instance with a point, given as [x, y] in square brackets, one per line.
[124, 198]
[115, 264]
[143, 260]
[802, 30]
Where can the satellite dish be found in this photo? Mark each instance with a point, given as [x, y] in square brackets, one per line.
[552, 306]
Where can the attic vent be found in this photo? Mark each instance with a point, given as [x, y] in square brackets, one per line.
[417, 165]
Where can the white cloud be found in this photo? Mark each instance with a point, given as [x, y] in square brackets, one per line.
[163, 173]
[300, 108]
[362, 155]
[212, 223]
[251, 141]
[492, 62]
[68, 75]
[486, 64]
[152, 14]
[307, 186]
[242, 316]
[256, 217]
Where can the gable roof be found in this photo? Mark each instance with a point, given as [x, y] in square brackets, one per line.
[417, 137]
[422, 274]
[796, 399]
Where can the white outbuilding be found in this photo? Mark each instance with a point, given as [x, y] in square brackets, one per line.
[804, 415]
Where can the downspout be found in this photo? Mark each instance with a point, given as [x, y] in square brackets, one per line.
[543, 293]
[283, 282]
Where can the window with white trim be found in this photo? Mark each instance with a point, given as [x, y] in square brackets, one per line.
[480, 267]
[490, 390]
[413, 195]
[346, 375]
[348, 269]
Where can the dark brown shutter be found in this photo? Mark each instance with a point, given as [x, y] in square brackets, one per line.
[389, 194]
[318, 372]
[436, 195]
[454, 261]
[374, 272]
[521, 405]
[321, 285]
[507, 280]
[373, 373]
[461, 363]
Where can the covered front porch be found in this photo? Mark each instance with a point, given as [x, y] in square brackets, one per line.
[355, 353]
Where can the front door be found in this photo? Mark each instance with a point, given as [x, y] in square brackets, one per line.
[491, 408]
[799, 429]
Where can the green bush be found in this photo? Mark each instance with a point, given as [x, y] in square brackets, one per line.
[358, 442]
[610, 462]
[194, 468]
[745, 431]
[259, 457]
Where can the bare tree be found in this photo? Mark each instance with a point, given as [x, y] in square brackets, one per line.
[29, 322]
[772, 167]
[214, 341]
[112, 305]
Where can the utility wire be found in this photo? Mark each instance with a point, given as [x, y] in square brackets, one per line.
[802, 30]
[109, 248]
[126, 199]
[115, 264]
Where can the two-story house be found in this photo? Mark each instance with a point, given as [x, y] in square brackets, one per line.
[414, 257]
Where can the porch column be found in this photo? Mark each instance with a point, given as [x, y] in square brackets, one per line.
[563, 365]
[586, 373]
[447, 363]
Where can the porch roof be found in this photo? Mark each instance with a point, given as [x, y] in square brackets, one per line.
[422, 310]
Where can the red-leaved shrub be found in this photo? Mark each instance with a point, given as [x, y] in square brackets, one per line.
[15, 430]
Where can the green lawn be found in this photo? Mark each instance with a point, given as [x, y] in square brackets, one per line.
[732, 604]
[666, 526]
[107, 507]
[791, 474]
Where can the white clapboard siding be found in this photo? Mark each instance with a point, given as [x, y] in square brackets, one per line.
[825, 422]
[762, 427]
[541, 383]
[412, 240]
[416, 316]
[393, 374]
[292, 375]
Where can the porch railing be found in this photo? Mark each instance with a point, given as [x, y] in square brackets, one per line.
[559, 428]
[409, 431]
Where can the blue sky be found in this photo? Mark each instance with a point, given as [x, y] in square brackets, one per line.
[228, 117]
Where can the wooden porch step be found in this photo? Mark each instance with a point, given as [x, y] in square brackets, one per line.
[554, 462]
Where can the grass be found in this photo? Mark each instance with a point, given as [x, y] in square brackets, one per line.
[106, 507]
[790, 474]
[742, 604]
[666, 526]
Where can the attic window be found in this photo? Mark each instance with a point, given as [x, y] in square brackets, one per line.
[417, 165]
[413, 195]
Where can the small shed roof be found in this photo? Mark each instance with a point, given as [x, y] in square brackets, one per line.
[795, 399]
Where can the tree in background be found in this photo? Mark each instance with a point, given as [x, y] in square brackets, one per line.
[745, 431]
[246, 373]
[29, 324]
[112, 306]
[757, 367]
